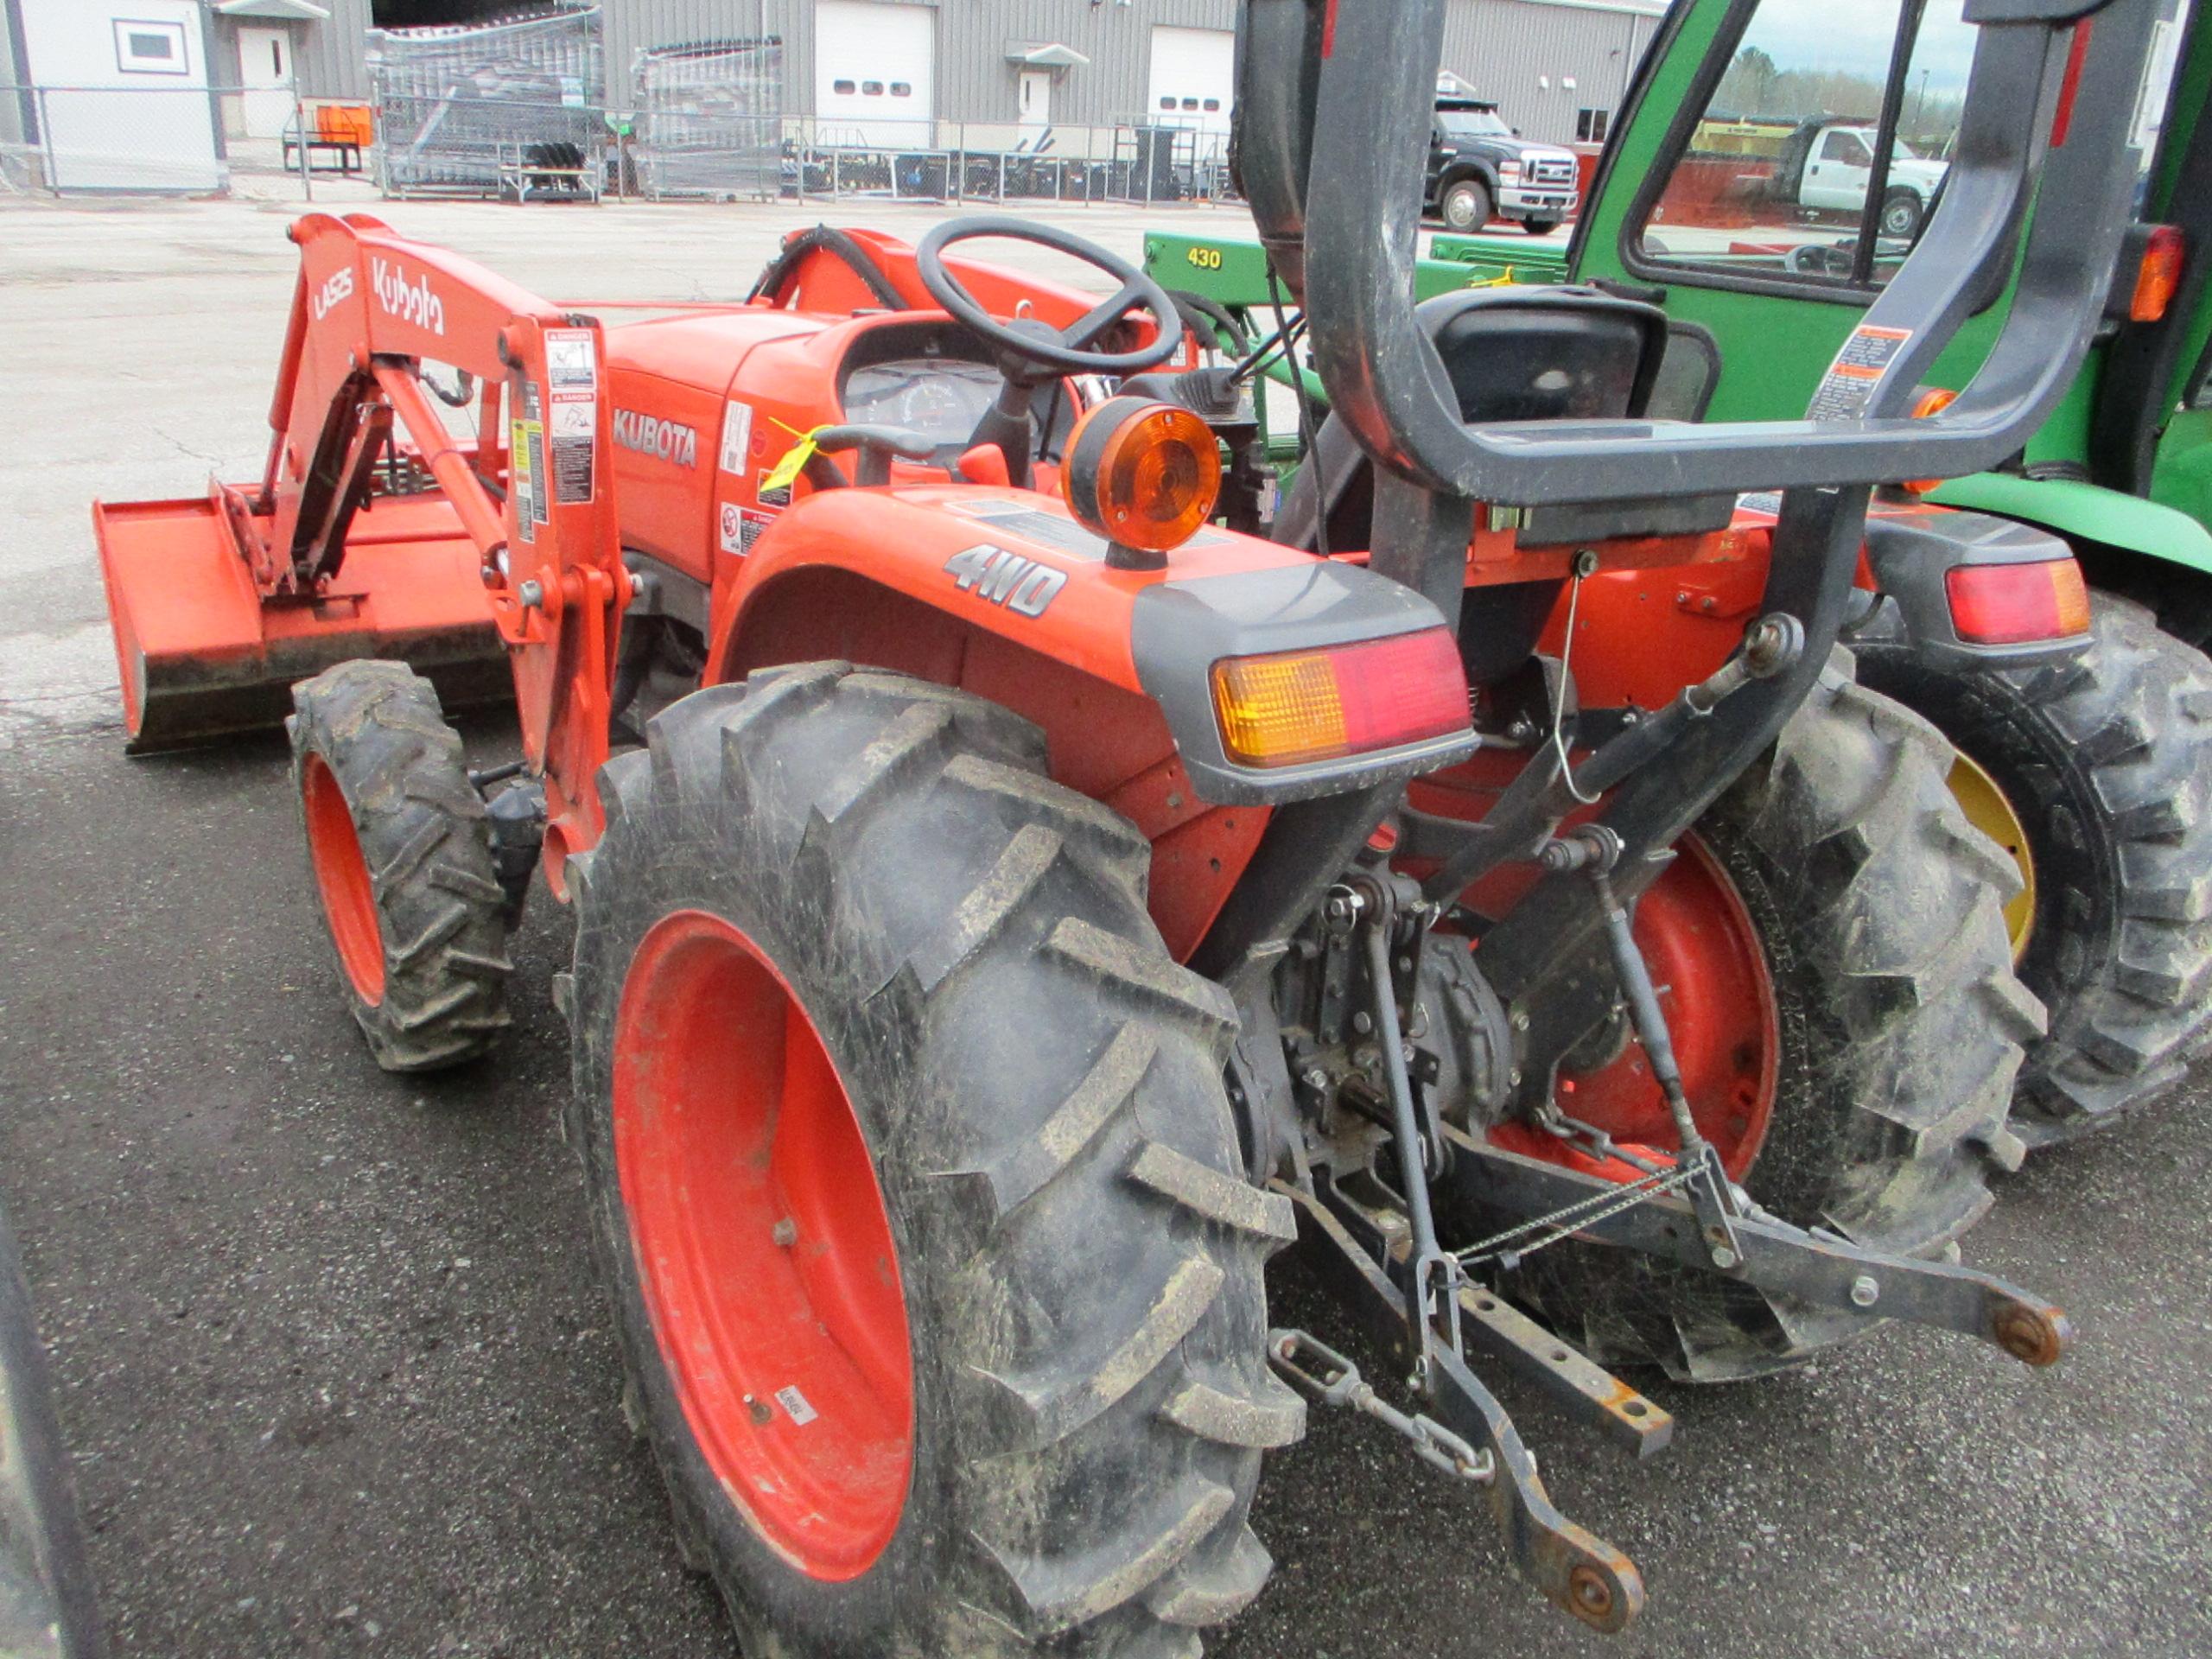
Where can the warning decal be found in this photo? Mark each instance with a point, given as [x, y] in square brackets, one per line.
[741, 527]
[571, 360]
[526, 459]
[1851, 380]
[572, 419]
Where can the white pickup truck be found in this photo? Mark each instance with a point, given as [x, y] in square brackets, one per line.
[1829, 166]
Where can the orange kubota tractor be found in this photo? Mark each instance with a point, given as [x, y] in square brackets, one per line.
[1049, 904]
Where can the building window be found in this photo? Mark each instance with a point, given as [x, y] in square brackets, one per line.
[1167, 102]
[871, 89]
[901, 89]
[843, 88]
[1589, 126]
[1213, 105]
[155, 48]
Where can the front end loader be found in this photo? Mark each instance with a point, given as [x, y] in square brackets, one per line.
[1048, 905]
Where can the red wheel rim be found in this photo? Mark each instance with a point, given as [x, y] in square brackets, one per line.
[1703, 948]
[341, 876]
[763, 1247]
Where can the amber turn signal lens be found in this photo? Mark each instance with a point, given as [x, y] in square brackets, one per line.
[1142, 474]
[2158, 275]
[2012, 604]
[1933, 400]
[1291, 706]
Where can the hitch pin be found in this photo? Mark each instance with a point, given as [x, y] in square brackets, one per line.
[1324, 1376]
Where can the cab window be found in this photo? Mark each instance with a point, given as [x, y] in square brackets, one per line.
[1819, 147]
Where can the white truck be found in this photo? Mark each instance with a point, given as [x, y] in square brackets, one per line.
[1827, 166]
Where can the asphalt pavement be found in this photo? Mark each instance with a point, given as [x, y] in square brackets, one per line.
[338, 1377]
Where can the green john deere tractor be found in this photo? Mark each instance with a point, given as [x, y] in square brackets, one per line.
[2094, 772]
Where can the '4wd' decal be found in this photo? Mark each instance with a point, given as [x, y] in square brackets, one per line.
[1023, 586]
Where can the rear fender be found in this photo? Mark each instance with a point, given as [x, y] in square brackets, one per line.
[2085, 512]
[1001, 593]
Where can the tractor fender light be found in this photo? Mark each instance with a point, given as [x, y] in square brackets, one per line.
[2158, 275]
[2013, 604]
[1292, 707]
[1143, 474]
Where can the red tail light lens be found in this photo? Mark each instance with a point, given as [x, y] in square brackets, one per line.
[2012, 604]
[2159, 276]
[1291, 706]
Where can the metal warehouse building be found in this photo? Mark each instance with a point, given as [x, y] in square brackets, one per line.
[1557, 68]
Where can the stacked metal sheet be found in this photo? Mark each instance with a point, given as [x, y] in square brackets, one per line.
[707, 121]
[474, 110]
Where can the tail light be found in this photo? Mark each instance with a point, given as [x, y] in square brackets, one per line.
[2012, 604]
[2157, 274]
[1292, 707]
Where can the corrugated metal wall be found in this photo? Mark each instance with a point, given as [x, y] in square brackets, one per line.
[328, 56]
[1510, 49]
[1502, 47]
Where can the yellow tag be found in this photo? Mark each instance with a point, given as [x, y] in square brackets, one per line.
[1505, 280]
[780, 476]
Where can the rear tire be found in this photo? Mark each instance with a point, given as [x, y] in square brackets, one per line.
[401, 857]
[2106, 761]
[1900, 1028]
[1039, 1090]
[1466, 206]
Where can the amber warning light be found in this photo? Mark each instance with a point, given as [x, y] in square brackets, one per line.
[1142, 474]
[1292, 707]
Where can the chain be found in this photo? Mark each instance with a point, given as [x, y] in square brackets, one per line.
[1570, 1219]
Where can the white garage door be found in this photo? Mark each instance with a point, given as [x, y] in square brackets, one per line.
[1193, 77]
[875, 72]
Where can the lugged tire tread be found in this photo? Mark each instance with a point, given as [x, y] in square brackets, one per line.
[1052, 890]
[2112, 754]
[380, 728]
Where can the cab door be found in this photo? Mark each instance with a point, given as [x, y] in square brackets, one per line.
[1695, 199]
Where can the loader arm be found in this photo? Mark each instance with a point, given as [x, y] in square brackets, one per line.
[345, 549]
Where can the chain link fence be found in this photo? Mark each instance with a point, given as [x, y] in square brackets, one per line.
[187, 141]
[700, 123]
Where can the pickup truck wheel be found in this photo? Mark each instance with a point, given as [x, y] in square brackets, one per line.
[912, 1174]
[1466, 206]
[1540, 226]
[2103, 764]
[1901, 215]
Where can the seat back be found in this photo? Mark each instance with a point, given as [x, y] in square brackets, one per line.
[1519, 354]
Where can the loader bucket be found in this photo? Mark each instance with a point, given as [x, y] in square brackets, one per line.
[202, 656]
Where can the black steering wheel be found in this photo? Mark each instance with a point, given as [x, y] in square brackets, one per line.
[1062, 350]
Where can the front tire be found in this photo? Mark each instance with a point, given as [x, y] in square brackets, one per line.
[1032, 1092]
[1467, 205]
[2103, 762]
[1540, 226]
[402, 860]
[1897, 1029]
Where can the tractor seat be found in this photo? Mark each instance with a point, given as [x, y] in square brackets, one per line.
[1530, 354]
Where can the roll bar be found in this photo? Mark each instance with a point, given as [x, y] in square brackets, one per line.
[1363, 75]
